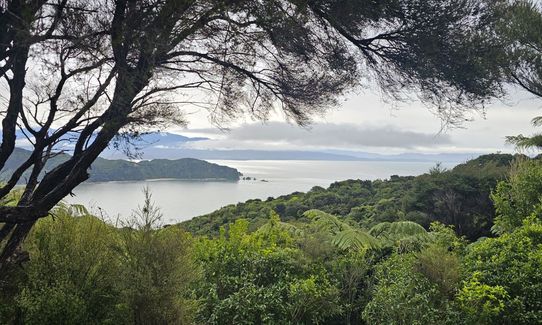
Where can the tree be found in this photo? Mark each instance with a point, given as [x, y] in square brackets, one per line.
[261, 278]
[504, 283]
[71, 276]
[521, 27]
[156, 270]
[518, 197]
[84, 271]
[403, 295]
[417, 286]
[83, 73]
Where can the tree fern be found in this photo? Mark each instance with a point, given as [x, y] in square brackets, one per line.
[523, 142]
[343, 235]
[355, 239]
[404, 235]
[325, 221]
[397, 230]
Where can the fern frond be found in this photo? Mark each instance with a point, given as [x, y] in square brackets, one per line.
[326, 221]
[355, 239]
[397, 230]
[523, 142]
[537, 121]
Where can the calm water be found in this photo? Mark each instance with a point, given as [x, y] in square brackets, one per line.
[182, 200]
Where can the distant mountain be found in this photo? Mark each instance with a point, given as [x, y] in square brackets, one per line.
[411, 157]
[165, 145]
[161, 152]
[166, 138]
[160, 139]
[173, 146]
[122, 170]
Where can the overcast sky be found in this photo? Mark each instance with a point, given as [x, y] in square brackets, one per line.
[364, 122]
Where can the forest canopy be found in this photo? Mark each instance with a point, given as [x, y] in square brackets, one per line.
[319, 268]
[458, 197]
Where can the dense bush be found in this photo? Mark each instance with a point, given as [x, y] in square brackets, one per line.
[372, 266]
[458, 197]
[261, 278]
[72, 274]
[84, 271]
[404, 295]
[505, 278]
[519, 196]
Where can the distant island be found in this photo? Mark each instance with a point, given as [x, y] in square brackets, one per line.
[105, 170]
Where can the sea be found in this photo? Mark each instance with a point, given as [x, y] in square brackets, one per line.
[180, 200]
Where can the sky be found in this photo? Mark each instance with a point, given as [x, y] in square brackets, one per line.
[365, 122]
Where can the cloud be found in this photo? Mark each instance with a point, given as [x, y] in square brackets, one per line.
[320, 135]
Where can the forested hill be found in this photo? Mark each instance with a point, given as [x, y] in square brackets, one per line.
[185, 168]
[459, 197]
[122, 170]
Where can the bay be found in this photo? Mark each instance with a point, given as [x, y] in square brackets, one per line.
[181, 200]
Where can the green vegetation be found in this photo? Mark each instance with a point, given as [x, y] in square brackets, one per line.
[103, 170]
[458, 197]
[519, 196]
[460, 246]
[504, 282]
[84, 271]
[317, 268]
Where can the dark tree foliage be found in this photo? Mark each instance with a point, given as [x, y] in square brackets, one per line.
[521, 28]
[79, 72]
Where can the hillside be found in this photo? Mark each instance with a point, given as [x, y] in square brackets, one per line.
[458, 197]
[186, 168]
[103, 170]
